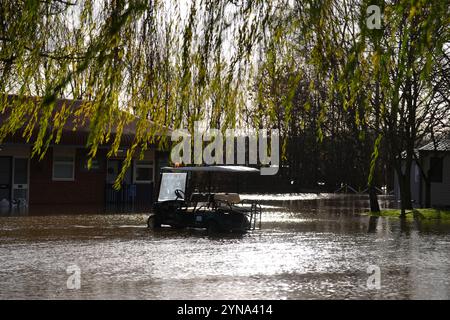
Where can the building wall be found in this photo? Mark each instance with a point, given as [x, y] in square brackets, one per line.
[22, 151]
[88, 187]
[440, 192]
[416, 178]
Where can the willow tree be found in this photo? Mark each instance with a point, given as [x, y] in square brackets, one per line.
[404, 55]
[166, 61]
[390, 77]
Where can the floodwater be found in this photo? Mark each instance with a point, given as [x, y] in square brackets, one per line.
[310, 247]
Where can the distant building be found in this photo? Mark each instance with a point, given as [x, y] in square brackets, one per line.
[434, 160]
[62, 176]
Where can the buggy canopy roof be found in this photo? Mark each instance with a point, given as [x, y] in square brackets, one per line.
[237, 169]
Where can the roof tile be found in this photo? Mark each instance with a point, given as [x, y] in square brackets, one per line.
[442, 145]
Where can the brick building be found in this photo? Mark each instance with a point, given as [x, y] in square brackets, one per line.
[62, 176]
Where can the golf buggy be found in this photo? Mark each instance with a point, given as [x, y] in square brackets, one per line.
[179, 205]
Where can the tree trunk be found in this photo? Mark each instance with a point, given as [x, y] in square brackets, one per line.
[373, 198]
[405, 193]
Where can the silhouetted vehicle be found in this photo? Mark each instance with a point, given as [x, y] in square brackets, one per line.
[178, 207]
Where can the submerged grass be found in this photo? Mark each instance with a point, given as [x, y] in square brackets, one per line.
[421, 214]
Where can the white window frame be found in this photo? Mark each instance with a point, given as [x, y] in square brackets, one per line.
[137, 165]
[63, 153]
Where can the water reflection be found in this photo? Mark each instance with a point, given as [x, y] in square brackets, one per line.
[307, 249]
[58, 209]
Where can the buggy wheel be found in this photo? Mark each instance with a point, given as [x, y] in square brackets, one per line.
[153, 222]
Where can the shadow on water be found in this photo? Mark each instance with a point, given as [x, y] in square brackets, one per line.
[167, 232]
[373, 222]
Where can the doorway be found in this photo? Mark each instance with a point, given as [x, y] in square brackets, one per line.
[5, 179]
[20, 181]
[126, 193]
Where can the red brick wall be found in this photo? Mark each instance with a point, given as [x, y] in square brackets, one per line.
[87, 188]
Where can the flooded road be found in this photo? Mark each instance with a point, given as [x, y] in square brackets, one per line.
[310, 247]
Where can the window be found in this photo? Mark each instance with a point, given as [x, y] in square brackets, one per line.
[143, 172]
[63, 165]
[171, 182]
[436, 169]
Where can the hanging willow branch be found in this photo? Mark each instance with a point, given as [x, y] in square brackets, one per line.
[159, 64]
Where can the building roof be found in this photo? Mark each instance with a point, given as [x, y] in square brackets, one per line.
[75, 130]
[229, 169]
[441, 145]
